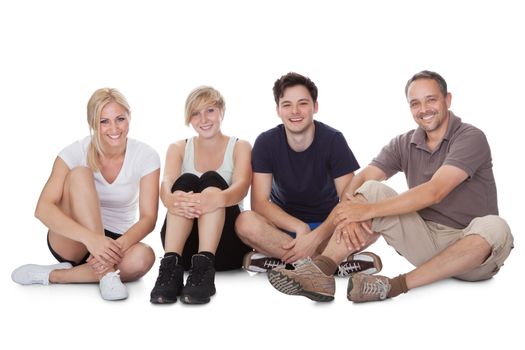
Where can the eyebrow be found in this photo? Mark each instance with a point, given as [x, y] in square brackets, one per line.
[299, 100]
[427, 96]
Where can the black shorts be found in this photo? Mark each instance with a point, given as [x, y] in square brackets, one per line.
[84, 259]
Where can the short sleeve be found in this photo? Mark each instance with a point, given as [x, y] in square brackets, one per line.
[389, 159]
[261, 155]
[468, 151]
[342, 159]
[75, 154]
[149, 160]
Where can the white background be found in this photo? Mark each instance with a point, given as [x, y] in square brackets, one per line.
[54, 54]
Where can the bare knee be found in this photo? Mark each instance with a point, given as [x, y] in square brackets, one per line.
[79, 176]
[137, 262]
[246, 225]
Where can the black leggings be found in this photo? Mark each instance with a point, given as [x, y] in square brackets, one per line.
[231, 249]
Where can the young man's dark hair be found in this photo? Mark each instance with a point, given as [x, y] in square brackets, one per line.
[293, 79]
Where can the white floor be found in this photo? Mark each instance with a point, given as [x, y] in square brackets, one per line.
[247, 313]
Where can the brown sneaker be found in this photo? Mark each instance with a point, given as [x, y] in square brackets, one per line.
[306, 280]
[257, 262]
[363, 288]
[364, 262]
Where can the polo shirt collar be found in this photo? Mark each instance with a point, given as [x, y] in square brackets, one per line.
[419, 136]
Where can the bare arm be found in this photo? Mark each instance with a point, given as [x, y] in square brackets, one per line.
[148, 208]
[172, 171]
[48, 211]
[260, 200]
[431, 192]
[305, 244]
[238, 189]
[369, 173]
[326, 229]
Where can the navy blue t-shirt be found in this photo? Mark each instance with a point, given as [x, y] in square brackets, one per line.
[303, 182]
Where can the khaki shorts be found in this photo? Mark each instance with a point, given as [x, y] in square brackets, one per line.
[419, 240]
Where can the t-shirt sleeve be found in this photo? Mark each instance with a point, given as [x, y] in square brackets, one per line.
[389, 159]
[149, 160]
[73, 155]
[261, 155]
[469, 151]
[342, 159]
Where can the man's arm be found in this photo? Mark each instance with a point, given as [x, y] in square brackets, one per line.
[305, 245]
[260, 202]
[371, 172]
[445, 179]
[326, 229]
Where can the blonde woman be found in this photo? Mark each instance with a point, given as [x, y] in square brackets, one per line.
[90, 201]
[205, 179]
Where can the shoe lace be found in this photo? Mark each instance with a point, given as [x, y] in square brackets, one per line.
[112, 278]
[348, 268]
[301, 262]
[196, 275]
[272, 263]
[375, 287]
[166, 271]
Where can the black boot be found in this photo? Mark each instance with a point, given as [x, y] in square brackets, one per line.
[200, 285]
[169, 283]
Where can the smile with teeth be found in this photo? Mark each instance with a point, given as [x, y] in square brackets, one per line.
[114, 137]
[295, 120]
[427, 117]
[206, 127]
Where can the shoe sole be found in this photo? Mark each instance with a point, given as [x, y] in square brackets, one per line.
[162, 300]
[188, 299]
[289, 286]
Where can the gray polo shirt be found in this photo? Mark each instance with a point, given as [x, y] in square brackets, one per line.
[463, 146]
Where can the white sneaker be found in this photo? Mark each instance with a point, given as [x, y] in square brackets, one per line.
[36, 274]
[112, 288]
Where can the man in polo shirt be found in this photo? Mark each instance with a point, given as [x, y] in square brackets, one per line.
[446, 224]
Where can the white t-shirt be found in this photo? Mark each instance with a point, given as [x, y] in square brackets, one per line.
[118, 200]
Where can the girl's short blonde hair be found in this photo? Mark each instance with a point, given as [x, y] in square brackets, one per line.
[201, 97]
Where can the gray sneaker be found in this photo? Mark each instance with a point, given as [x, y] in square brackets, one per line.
[363, 262]
[362, 288]
[36, 274]
[111, 287]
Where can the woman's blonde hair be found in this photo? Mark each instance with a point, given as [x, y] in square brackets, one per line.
[201, 97]
[96, 103]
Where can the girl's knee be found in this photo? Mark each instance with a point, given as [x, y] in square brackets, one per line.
[137, 262]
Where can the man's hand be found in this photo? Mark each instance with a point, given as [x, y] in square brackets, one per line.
[304, 245]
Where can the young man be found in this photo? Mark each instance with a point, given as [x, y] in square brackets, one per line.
[446, 224]
[300, 169]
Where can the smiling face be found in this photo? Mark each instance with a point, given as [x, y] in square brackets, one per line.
[114, 126]
[207, 121]
[296, 109]
[429, 107]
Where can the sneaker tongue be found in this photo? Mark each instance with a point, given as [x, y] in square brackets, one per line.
[200, 259]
